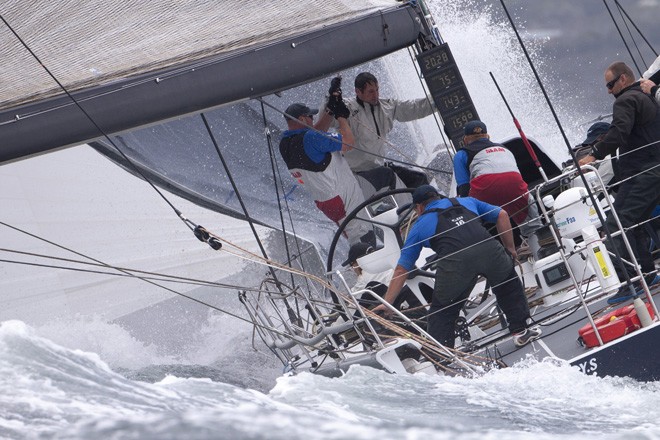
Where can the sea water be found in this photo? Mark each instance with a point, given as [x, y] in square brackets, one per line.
[48, 391]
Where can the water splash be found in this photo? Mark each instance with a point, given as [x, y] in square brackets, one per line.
[483, 41]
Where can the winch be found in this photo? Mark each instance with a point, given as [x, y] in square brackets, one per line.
[575, 218]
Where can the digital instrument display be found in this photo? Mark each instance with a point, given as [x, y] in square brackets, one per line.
[455, 122]
[436, 58]
[556, 274]
[452, 100]
[448, 90]
[444, 79]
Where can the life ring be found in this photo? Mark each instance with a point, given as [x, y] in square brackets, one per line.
[615, 324]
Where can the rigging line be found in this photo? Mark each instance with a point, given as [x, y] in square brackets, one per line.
[326, 135]
[76, 269]
[279, 207]
[251, 256]
[277, 177]
[622, 37]
[632, 38]
[211, 306]
[568, 144]
[162, 276]
[235, 188]
[636, 28]
[291, 313]
[83, 255]
[277, 189]
[100, 130]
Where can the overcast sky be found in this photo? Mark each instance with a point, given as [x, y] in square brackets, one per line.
[580, 40]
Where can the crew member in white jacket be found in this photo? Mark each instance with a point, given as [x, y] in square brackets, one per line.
[372, 118]
[651, 80]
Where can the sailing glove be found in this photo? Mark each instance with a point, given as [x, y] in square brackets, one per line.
[337, 107]
[335, 86]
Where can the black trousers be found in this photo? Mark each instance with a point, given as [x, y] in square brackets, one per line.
[457, 275]
[634, 203]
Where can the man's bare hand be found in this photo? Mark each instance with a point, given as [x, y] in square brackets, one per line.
[586, 160]
[382, 309]
[646, 85]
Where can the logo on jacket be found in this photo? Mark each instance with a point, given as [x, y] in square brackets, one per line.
[458, 220]
[297, 175]
[495, 150]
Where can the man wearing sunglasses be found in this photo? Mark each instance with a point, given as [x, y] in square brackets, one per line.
[635, 131]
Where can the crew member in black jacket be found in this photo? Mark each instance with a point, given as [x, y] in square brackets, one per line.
[635, 131]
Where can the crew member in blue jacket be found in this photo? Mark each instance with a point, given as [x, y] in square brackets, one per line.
[453, 229]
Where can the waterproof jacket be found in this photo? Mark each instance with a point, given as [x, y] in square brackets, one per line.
[635, 124]
[426, 228]
[479, 158]
[316, 162]
[371, 124]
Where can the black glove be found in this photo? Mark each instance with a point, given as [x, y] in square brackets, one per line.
[335, 86]
[337, 107]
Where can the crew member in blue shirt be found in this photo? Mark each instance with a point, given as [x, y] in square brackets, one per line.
[453, 229]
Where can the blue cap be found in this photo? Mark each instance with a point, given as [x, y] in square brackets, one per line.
[475, 127]
[594, 131]
[423, 193]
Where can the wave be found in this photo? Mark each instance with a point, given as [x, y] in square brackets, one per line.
[49, 391]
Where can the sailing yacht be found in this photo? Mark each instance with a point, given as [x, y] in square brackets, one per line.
[169, 104]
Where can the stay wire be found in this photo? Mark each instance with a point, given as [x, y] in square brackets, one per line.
[632, 38]
[636, 28]
[183, 295]
[277, 189]
[100, 130]
[292, 314]
[622, 37]
[277, 177]
[109, 266]
[128, 271]
[236, 191]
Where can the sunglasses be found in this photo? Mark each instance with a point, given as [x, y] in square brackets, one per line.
[610, 84]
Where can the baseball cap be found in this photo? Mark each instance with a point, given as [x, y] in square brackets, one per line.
[423, 193]
[356, 251]
[594, 131]
[475, 127]
[299, 109]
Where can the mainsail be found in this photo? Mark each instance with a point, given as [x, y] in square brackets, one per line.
[137, 63]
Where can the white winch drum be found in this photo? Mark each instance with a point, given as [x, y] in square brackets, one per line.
[574, 211]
